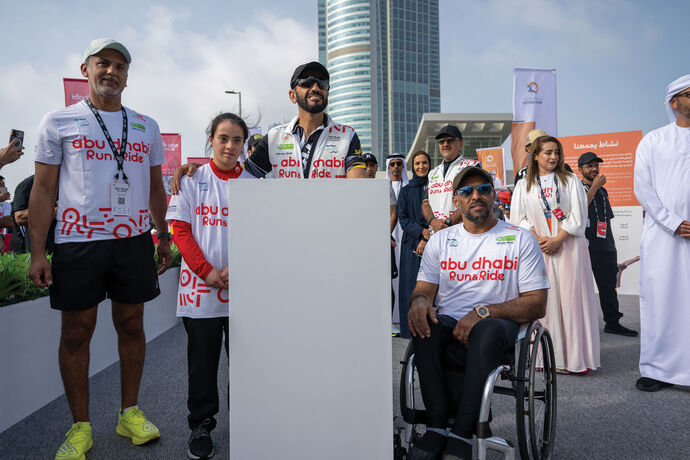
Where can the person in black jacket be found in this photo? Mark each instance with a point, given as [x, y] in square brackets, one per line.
[415, 234]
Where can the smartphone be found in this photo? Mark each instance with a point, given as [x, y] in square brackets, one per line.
[18, 135]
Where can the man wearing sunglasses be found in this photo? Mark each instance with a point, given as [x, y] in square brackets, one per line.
[486, 277]
[662, 186]
[312, 145]
[437, 207]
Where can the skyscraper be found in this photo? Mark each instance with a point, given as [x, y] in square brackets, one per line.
[383, 57]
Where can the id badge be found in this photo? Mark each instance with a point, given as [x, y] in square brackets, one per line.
[601, 229]
[558, 214]
[121, 198]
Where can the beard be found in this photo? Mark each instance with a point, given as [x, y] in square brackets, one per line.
[312, 108]
[481, 217]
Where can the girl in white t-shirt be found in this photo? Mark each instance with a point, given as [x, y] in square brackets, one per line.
[199, 218]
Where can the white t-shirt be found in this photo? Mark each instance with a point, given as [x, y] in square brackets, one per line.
[548, 186]
[72, 138]
[203, 202]
[489, 268]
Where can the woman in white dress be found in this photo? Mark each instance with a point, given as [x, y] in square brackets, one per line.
[552, 203]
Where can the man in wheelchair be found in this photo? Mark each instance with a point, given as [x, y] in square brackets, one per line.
[486, 276]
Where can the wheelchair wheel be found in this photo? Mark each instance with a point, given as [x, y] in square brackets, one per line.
[536, 395]
[403, 387]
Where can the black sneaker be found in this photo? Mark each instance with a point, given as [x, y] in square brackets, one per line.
[650, 384]
[200, 443]
[616, 328]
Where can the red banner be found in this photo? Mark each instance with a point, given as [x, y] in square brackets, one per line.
[76, 89]
[172, 147]
[198, 160]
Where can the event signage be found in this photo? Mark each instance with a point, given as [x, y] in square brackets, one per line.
[618, 152]
[76, 90]
[172, 148]
[534, 106]
[492, 160]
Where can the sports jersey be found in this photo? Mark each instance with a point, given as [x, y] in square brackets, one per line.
[72, 138]
[440, 188]
[484, 269]
[203, 202]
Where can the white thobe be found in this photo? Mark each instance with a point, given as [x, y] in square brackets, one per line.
[662, 186]
[397, 234]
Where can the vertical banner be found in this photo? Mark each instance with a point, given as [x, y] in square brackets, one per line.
[534, 106]
[198, 160]
[76, 89]
[492, 160]
[617, 150]
[172, 148]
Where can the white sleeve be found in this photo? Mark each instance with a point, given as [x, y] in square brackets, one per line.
[531, 270]
[576, 220]
[181, 206]
[430, 267]
[48, 145]
[518, 209]
[645, 192]
[157, 155]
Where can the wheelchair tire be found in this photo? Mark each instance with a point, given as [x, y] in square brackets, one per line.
[403, 393]
[536, 395]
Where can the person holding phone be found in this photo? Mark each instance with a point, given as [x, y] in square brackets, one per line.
[14, 150]
[552, 204]
[415, 233]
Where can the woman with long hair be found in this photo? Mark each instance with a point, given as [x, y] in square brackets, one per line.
[199, 217]
[552, 203]
[415, 234]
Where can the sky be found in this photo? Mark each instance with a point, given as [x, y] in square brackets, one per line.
[613, 59]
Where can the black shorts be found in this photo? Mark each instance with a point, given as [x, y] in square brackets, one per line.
[85, 273]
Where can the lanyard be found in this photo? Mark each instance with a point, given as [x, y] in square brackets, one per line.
[594, 202]
[119, 155]
[543, 197]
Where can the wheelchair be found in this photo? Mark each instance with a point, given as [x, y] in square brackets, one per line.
[529, 371]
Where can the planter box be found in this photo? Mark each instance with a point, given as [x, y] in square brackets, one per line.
[29, 339]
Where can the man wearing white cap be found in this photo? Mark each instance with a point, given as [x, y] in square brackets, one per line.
[662, 186]
[105, 160]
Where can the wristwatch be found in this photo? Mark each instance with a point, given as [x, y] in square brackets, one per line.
[482, 311]
[163, 235]
[448, 222]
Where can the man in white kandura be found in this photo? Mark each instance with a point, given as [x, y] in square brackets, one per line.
[662, 186]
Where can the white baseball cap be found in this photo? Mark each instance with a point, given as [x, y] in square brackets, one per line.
[101, 44]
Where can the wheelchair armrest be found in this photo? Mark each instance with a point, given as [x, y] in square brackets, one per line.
[524, 327]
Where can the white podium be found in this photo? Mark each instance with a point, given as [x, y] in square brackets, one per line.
[310, 320]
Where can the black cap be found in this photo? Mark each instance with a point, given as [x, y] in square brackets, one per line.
[368, 157]
[471, 171]
[587, 157]
[254, 139]
[449, 130]
[313, 68]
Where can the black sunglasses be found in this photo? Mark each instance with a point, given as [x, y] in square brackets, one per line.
[308, 82]
[468, 190]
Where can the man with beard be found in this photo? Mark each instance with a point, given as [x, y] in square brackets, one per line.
[487, 276]
[602, 247]
[312, 145]
[105, 161]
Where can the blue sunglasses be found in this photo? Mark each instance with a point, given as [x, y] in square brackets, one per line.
[468, 190]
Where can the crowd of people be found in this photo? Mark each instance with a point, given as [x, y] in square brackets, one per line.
[470, 259]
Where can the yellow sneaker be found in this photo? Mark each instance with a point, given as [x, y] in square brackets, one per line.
[78, 442]
[133, 424]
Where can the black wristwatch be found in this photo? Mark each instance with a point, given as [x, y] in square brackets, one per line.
[164, 235]
[448, 222]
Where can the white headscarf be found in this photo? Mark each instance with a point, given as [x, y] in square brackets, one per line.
[397, 156]
[675, 87]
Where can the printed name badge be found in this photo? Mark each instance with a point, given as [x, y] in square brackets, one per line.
[120, 198]
[601, 229]
[558, 214]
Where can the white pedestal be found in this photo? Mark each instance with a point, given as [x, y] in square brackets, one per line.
[310, 334]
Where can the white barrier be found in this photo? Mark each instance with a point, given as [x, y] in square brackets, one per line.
[29, 338]
[310, 320]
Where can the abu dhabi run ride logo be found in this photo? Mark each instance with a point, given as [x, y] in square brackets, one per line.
[532, 96]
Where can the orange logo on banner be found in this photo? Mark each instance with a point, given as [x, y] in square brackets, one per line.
[492, 160]
[618, 152]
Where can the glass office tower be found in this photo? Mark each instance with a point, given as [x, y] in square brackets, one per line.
[383, 57]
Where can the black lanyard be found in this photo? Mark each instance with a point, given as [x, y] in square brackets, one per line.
[558, 194]
[119, 155]
[594, 201]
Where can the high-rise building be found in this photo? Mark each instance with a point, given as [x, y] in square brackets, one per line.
[383, 57]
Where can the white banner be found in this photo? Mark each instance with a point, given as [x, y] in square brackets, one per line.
[534, 106]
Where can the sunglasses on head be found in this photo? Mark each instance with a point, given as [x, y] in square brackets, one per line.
[468, 190]
[308, 82]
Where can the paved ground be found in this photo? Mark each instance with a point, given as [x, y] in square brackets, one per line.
[600, 416]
